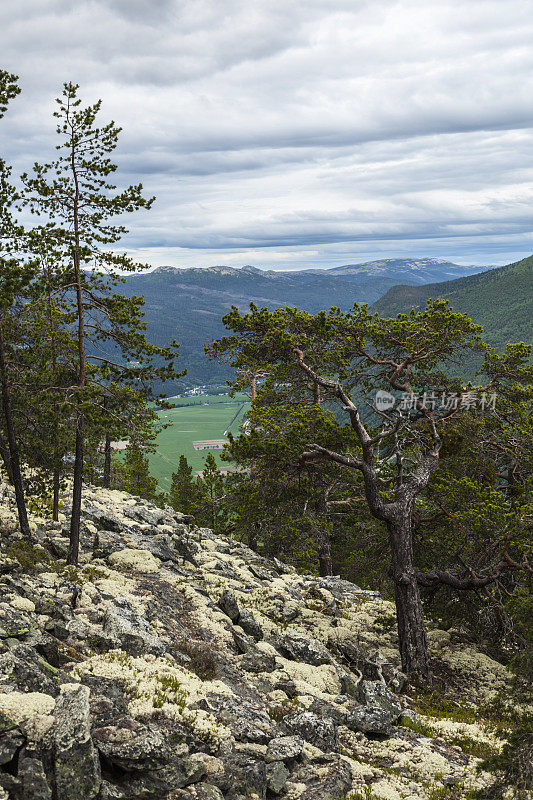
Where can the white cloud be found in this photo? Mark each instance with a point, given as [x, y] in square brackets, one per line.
[316, 131]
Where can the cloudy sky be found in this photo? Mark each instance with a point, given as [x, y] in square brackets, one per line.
[295, 133]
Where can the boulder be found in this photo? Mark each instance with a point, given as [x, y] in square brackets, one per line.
[297, 647]
[10, 743]
[228, 604]
[247, 722]
[250, 625]
[77, 768]
[33, 779]
[124, 625]
[130, 745]
[276, 776]
[156, 784]
[21, 668]
[376, 695]
[284, 748]
[245, 776]
[333, 782]
[321, 733]
[256, 661]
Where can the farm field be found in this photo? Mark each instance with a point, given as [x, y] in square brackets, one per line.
[191, 419]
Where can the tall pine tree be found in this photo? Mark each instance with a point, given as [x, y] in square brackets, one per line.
[80, 204]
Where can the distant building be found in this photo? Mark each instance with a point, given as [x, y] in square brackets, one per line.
[210, 444]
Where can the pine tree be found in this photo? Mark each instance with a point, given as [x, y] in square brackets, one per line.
[79, 202]
[15, 280]
[212, 482]
[342, 357]
[133, 474]
[185, 493]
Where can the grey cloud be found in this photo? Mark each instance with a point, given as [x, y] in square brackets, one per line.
[312, 124]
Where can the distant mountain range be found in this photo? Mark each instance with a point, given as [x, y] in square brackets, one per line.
[188, 304]
[501, 300]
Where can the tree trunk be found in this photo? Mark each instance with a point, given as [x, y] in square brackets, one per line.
[410, 616]
[55, 505]
[77, 481]
[74, 546]
[13, 445]
[6, 458]
[106, 482]
[325, 565]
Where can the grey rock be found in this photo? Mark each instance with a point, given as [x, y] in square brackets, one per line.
[12, 785]
[245, 775]
[33, 778]
[376, 695]
[322, 708]
[14, 623]
[130, 745]
[202, 791]
[370, 720]
[248, 722]
[10, 743]
[228, 604]
[243, 643]
[256, 661]
[284, 748]
[321, 733]
[159, 783]
[77, 768]
[299, 648]
[23, 669]
[351, 651]
[122, 623]
[250, 625]
[335, 785]
[276, 776]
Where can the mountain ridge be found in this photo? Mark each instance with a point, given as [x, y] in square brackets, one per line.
[188, 304]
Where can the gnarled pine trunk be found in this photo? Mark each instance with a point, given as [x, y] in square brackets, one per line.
[410, 616]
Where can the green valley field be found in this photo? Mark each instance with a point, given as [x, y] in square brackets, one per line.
[194, 418]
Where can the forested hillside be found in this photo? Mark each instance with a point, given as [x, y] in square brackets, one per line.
[500, 299]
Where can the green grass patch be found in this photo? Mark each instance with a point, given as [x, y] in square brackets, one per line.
[192, 419]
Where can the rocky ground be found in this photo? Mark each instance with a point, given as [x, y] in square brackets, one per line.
[176, 664]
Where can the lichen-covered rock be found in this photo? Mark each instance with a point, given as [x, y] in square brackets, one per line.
[321, 733]
[170, 651]
[248, 722]
[300, 648]
[33, 779]
[229, 605]
[284, 748]
[325, 780]
[373, 693]
[250, 625]
[130, 631]
[202, 791]
[245, 776]
[370, 720]
[157, 783]
[77, 768]
[255, 661]
[130, 745]
[276, 776]
[10, 742]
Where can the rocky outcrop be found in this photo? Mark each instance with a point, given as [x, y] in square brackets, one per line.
[176, 665]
